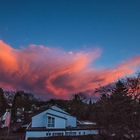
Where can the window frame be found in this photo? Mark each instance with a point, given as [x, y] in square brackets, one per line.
[50, 121]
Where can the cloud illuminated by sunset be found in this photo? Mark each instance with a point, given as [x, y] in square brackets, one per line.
[55, 72]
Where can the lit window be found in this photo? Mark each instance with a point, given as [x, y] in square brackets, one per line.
[57, 134]
[70, 133]
[51, 121]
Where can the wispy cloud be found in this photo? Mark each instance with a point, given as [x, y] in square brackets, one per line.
[55, 72]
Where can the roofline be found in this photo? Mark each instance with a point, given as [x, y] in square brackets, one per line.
[66, 113]
[59, 129]
[56, 116]
[60, 111]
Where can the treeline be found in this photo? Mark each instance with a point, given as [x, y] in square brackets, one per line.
[117, 110]
[21, 100]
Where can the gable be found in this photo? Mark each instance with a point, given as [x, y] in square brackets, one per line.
[54, 115]
[53, 110]
[63, 119]
[57, 109]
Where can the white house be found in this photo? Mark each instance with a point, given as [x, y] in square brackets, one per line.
[56, 122]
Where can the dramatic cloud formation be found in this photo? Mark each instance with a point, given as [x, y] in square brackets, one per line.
[54, 72]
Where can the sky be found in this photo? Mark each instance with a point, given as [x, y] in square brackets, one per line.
[67, 46]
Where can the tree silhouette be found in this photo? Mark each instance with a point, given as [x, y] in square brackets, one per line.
[116, 112]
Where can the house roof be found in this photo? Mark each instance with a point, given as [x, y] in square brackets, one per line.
[54, 108]
[56, 116]
[57, 109]
[60, 129]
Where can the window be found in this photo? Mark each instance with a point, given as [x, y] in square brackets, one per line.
[51, 121]
[70, 133]
[48, 134]
[57, 134]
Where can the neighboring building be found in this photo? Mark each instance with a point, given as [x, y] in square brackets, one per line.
[56, 122]
[5, 119]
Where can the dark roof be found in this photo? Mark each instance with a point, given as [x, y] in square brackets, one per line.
[60, 129]
[44, 108]
[56, 116]
[60, 111]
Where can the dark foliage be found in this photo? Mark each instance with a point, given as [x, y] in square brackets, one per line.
[3, 102]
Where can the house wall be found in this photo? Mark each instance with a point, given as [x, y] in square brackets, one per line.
[71, 121]
[39, 120]
[59, 122]
[39, 134]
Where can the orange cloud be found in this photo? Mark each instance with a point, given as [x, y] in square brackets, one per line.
[54, 72]
[7, 57]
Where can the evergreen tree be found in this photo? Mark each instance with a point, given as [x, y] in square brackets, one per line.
[115, 111]
[78, 106]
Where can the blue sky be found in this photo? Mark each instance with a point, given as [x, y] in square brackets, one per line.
[113, 26]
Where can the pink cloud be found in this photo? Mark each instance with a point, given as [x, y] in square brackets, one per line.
[55, 72]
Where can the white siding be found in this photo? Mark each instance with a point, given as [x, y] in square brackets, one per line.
[71, 121]
[39, 120]
[59, 122]
[35, 134]
[39, 134]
